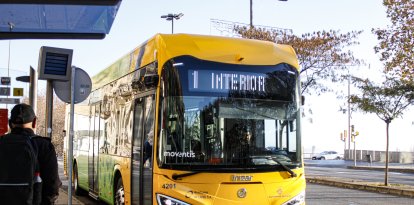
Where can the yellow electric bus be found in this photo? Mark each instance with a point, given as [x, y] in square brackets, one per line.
[193, 119]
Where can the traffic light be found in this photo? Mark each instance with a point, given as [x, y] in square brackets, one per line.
[352, 128]
[342, 137]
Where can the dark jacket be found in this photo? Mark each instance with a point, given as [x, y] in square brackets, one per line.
[48, 165]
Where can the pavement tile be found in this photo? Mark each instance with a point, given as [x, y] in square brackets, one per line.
[63, 198]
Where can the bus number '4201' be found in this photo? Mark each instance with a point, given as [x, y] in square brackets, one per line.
[168, 186]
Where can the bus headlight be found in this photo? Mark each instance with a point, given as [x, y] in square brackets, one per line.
[297, 200]
[166, 200]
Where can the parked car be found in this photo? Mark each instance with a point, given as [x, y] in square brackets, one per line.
[327, 155]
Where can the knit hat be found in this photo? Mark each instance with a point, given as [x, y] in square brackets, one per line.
[22, 114]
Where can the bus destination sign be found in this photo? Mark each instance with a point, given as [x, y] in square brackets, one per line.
[225, 81]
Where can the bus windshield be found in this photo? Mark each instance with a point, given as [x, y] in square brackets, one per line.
[217, 116]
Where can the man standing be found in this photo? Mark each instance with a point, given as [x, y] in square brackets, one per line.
[23, 123]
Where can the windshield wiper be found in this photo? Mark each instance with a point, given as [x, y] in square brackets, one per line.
[178, 176]
[292, 174]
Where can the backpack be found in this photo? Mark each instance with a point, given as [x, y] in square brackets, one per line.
[20, 182]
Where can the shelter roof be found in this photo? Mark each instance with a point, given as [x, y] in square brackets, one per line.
[57, 19]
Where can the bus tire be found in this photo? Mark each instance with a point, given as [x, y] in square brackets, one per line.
[119, 193]
[78, 190]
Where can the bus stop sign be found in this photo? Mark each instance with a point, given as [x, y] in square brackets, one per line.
[82, 87]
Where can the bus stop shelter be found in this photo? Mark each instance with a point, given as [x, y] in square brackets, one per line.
[57, 19]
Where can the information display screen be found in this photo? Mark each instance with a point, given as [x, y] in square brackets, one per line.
[225, 81]
[194, 77]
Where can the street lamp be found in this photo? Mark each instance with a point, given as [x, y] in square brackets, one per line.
[251, 12]
[348, 110]
[171, 17]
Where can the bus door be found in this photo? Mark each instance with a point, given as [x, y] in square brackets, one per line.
[142, 158]
[93, 151]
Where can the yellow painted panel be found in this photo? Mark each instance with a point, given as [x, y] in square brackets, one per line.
[17, 91]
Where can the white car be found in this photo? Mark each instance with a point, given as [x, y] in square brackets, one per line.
[327, 155]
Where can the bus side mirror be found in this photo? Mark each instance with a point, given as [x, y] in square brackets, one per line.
[291, 126]
[151, 80]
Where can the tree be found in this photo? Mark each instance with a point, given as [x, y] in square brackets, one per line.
[58, 120]
[388, 101]
[321, 54]
[396, 41]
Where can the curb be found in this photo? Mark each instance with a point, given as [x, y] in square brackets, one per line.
[390, 169]
[404, 190]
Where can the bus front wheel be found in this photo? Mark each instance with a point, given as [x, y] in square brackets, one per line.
[119, 193]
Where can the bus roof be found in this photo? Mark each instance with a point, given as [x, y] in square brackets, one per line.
[163, 47]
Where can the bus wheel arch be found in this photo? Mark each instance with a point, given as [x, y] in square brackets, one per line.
[119, 193]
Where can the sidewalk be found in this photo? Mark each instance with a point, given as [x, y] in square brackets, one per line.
[63, 198]
[63, 190]
[394, 189]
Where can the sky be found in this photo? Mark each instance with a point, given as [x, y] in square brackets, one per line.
[137, 21]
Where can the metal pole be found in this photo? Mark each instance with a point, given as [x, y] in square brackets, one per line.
[8, 62]
[70, 143]
[49, 109]
[33, 89]
[349, 118]
[354, 153]
[172, 25]
[251, 13]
